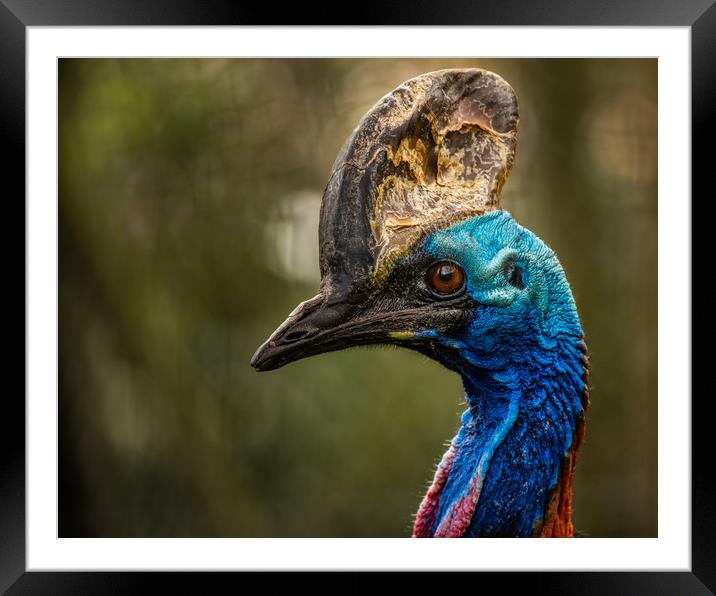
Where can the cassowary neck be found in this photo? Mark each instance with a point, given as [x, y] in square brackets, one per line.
[508, 471]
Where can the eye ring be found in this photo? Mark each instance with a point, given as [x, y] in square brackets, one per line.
[445, 279]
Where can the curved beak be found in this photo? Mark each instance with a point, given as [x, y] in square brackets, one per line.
[292, 339]
[325, 324]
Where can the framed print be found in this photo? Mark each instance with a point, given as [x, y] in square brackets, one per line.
[180, 168]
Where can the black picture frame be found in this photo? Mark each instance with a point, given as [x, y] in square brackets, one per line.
[17, 15]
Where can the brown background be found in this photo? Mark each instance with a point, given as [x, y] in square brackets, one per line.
[189, 192]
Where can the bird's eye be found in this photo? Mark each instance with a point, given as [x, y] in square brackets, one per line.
[446, 278]
[513, 274]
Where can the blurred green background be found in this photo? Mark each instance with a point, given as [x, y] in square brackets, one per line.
[188, 207]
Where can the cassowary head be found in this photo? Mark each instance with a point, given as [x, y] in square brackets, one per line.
[414, 251]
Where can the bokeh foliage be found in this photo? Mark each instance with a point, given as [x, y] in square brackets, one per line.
[188, 199]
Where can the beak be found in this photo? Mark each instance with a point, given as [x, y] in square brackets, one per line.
[324, 324]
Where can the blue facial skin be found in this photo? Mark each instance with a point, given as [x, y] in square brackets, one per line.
[520, 358]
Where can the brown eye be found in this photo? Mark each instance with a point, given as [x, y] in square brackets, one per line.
[446, 278]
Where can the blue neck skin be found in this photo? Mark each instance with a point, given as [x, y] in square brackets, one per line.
[521, 362]
[517, 428]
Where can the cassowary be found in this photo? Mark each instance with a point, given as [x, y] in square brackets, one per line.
[414, 251]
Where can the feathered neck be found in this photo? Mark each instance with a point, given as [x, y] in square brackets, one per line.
[508, 471]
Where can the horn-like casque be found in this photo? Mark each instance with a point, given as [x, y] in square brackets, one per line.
[432, 152]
